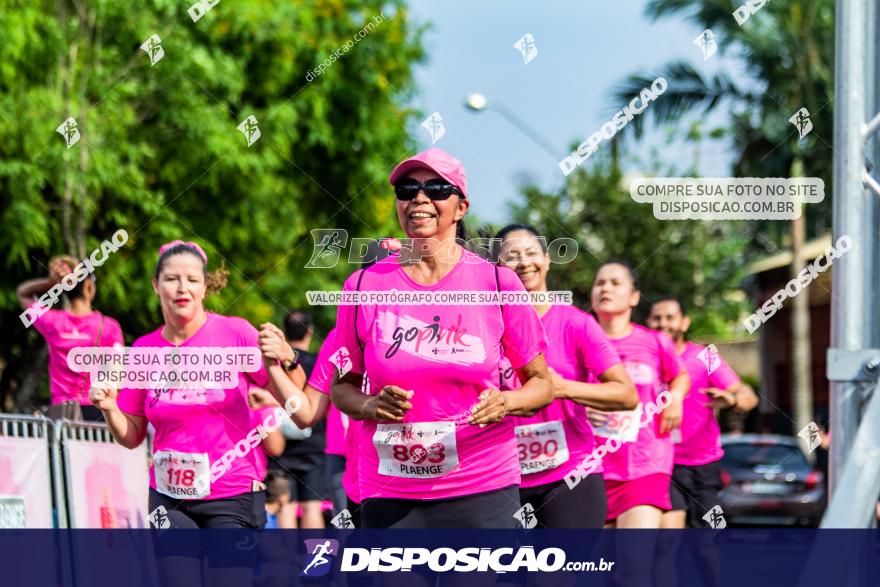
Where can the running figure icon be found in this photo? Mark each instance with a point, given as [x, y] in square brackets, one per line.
[322, 552]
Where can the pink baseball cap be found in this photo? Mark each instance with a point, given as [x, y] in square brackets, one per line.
[438, 161]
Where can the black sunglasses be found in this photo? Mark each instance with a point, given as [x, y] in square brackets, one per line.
[435, 190]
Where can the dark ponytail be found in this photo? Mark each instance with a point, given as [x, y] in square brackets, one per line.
[626, 265]
[501, 235]
[461, 233]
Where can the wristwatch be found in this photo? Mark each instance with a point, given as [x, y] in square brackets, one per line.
[293, 363]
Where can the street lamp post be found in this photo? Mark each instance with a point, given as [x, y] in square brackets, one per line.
[479, 103]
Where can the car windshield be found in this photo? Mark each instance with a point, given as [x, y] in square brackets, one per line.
[742, 454]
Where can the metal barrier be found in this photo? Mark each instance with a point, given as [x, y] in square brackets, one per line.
[44, 431]
[124, 513]
[19, 426]
[40, 429]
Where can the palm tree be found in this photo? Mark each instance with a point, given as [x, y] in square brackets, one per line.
[788, 52]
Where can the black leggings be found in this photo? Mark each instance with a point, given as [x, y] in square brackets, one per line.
[494, 509]
[247, 510]
[557, 506]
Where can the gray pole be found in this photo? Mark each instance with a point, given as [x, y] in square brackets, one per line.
[524, 128]
[847, 280]
[853, 307]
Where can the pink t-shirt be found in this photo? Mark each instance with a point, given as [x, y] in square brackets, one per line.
[321, 379]
[64, 332]
[447, 355]
[262, 460]
[202, 424]
[579, 350]
[651, 360]
[700, 435]
[350, 482]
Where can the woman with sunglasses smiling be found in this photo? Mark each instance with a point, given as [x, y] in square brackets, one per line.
[436, 447]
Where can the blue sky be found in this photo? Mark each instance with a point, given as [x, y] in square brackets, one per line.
[584, 49]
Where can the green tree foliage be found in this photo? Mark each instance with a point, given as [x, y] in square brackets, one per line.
[787, 49]
[700, 262]
[161, 157]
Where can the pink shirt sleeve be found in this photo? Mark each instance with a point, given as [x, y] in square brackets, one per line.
[249, 337]
[322, 375]
[671, 365]
[597, 352]
[112, 333]
[723, 377]
[132, 401]
[524, 337]
[260, 415]
[45, 324]
[345, 328]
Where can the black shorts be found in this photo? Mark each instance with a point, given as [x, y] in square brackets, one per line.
[494, 509]
[91, 414]
[307, 475]
[354, 508]
[695, 490]
[557, 506]
[245, 511]
[335, 468]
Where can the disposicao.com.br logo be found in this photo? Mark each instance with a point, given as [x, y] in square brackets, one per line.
[469, 559]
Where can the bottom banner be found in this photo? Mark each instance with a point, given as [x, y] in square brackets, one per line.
[740, 557]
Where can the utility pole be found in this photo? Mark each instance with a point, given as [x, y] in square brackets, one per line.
[854, 356]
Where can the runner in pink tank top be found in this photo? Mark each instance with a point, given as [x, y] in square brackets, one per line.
[435, 448]
[585, 371]
[638, 459]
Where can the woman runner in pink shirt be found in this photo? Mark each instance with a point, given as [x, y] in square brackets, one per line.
[435, 448]
[80, 325]
[585, 371]
[196, 430]
[312, 402]
[637, 472]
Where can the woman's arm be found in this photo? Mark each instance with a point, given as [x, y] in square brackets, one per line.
[58, 268]
[739, 396]
[30, 289]
[678, 389]
[306, 407]
[390, 404]
[274, 443]
[128, 430]
[535, 393]
[615, 392]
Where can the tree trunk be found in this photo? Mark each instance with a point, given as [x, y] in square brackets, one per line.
[801, 361]
[25, 400]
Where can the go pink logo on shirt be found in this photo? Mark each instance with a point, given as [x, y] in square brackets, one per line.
[640, 373]
[432, 341]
